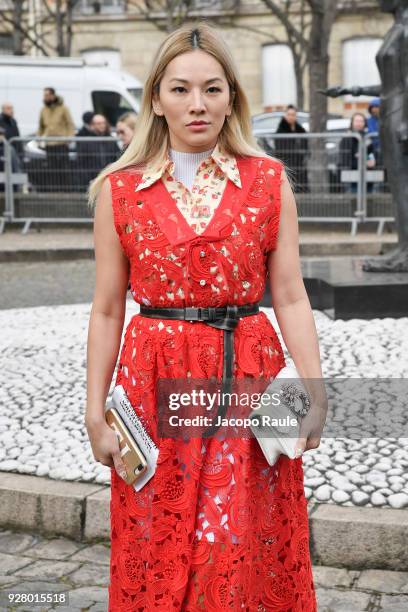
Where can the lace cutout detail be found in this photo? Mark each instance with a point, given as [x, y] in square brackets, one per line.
[216, 528]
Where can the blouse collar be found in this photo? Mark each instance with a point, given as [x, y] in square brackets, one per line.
[226, 162]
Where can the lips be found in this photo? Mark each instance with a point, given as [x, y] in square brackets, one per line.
[198, 123]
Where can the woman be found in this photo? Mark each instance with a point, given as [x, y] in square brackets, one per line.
[293, 152]
[125, 128]
[215, 528]
[349, 150]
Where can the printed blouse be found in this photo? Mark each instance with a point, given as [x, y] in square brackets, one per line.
[197, 206]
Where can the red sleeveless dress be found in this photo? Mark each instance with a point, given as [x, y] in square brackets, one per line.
[216, 528]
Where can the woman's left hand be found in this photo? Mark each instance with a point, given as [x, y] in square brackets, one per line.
[311, 427]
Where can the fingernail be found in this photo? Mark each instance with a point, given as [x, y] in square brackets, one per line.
[298, 453]
[123, 475]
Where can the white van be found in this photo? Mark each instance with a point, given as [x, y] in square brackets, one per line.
[84, 86]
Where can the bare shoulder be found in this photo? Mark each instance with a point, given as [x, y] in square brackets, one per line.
[103, 206]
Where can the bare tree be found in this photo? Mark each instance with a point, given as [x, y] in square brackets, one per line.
[308, 25]
[13, 18]
[167, 15]
[61, 16]
[312, 35]
[324, 13]
[294, 15]
[53, 23]
[18, 9]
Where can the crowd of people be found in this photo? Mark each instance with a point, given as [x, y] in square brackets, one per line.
[295, 152]
[60, 171]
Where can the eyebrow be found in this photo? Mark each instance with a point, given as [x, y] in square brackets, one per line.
[206, 82]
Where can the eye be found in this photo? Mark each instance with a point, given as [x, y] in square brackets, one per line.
[213, 87]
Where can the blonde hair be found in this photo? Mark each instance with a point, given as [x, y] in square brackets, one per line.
[150, 141]
[129, 119]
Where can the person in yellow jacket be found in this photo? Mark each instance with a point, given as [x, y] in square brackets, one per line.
[56, 120]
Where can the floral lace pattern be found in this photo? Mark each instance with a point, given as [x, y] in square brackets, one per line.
[212, 174]
[216, 528]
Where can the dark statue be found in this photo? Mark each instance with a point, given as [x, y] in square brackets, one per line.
[392, 62]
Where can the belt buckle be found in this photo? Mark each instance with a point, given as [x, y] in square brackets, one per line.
[212, 313]
[232, 311]
[191, 313]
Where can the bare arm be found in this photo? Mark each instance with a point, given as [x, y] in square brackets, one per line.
[108, 308]
[294, 313]
[289, 298]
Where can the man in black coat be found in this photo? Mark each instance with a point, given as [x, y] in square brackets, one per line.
[293, 151]
[15, 161]
[94, 155]
[85, 170]
[9, 124]
[86, 130]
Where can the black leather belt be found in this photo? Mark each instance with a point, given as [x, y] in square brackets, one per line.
[223, 317]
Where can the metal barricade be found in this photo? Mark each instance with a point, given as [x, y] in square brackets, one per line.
[379, 202]
[332, 175]
[54, 176]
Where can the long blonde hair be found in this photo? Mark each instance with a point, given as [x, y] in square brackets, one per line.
[150, 141]
[130, 119]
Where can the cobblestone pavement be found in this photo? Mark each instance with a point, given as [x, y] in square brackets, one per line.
[32, 563]
[46, 283]
[42, 364]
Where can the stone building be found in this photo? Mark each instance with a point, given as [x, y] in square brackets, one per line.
[118, 31]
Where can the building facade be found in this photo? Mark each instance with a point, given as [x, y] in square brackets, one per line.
[130, 37]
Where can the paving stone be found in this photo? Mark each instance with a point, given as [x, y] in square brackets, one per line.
[58, 548]
[383, 581]
[71, 609]
[48, 569]
[91, 574]
[336, 531]
[394, 603]
[97, 553]
[332, 576]
[84, 597]
[14, 542]
[97, 519]
[34, 586]
[31, 609]
[12, 563]
[43, 504]
[7, 580]
[336, 600]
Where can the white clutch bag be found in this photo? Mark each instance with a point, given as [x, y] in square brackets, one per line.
[276, 423]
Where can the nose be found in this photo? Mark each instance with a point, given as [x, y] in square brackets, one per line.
[196, 101]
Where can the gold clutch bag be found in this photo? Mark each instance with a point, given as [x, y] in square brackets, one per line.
[130, 453]
[138, 451]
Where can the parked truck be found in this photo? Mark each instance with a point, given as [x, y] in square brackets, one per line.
[84, 87]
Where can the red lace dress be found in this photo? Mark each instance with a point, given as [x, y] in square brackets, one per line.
[216, 528]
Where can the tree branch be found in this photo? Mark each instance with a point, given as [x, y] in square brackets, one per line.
[286, 20]
[25, 32]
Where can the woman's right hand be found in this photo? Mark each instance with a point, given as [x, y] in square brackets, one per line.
[105, 446]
